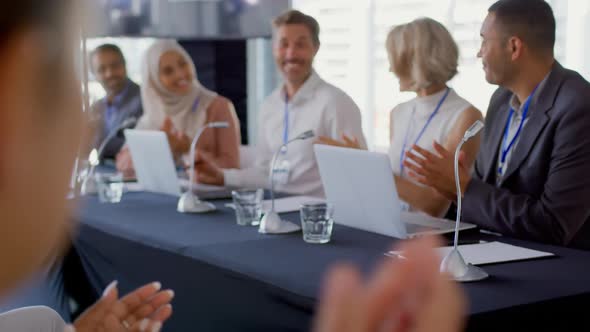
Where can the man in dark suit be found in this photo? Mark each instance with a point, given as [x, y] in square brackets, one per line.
[122, 101]
[531, 176]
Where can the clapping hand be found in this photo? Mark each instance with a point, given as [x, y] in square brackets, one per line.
[403, 294]
[346, 142]
[207, 171]
[124, 163]
[179, 142]
[144, 309]
[437, 170]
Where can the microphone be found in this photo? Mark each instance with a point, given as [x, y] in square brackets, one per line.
[189, 202]
[126, 123]
[454, 263]
[95, 155]
[271, 222]
[472, 130]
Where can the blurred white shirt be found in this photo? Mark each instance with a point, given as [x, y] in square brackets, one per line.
[317, 106]
[33, 319]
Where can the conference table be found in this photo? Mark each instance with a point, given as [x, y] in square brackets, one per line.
[231, 278]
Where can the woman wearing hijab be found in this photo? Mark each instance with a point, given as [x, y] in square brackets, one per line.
[175, 102]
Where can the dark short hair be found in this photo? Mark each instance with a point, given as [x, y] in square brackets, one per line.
[531, 20]
[296, 17]
[108, 48]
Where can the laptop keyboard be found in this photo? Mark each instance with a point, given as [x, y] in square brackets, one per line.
[413, 228]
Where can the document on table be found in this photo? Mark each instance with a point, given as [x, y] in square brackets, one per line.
[197, 187]
[133, 187]
[488, 253]
[200, 187]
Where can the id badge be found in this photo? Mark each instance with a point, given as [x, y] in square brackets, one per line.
[282, 171]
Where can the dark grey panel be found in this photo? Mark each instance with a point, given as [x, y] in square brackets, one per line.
[221, 66]
[184, 19]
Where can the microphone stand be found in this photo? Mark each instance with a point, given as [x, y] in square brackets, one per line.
[189, 202]
[271, 222]
[88, 185]
[454, 263]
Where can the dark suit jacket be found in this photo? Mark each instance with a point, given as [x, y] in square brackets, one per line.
[545, 193]
[130, 107]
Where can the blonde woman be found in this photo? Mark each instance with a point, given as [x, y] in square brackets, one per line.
[424, 57]
[175, 102]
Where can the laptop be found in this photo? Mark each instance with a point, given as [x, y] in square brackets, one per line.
[361, 186]
[155, 168]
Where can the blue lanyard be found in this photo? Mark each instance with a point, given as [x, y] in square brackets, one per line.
[113, 108]
[286, 123]
[403, 152]
[195, 105]
[505, 148]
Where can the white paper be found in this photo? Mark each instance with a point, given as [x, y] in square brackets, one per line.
[133, 187]
[289, 204]
[197, 187]
[489, 253]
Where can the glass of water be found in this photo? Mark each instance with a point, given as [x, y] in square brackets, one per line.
[109, 187]
[317, 220]
[248, 205]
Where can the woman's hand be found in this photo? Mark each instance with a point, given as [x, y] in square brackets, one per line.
[437, 170]
[346, 142]
[179, 142]
[124, 162]
[144, 309]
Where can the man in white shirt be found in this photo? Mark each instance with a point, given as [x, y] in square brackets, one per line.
[303, 102]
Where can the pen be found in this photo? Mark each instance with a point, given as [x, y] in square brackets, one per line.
[399, 255]
[462, 242]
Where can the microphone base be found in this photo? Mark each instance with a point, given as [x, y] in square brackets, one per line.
[459, 270]
[189, 203]
[474, 273]
[271, 223]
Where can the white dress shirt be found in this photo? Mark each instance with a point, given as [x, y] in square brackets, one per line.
[513, 128]
[317, 106]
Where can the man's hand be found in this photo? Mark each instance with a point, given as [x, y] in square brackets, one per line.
[207, 171]
[346, 142]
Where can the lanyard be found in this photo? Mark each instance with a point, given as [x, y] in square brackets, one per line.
[111, 114]
[195, 105]
[286, 124]
[112, 109]
[403, 152]
[118, 98]
[506, 148]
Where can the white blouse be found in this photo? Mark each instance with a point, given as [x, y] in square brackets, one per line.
[408, 119]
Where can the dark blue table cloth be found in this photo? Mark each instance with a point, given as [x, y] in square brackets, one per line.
[231, 278]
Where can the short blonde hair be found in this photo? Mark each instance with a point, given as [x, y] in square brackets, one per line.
[424, 51]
